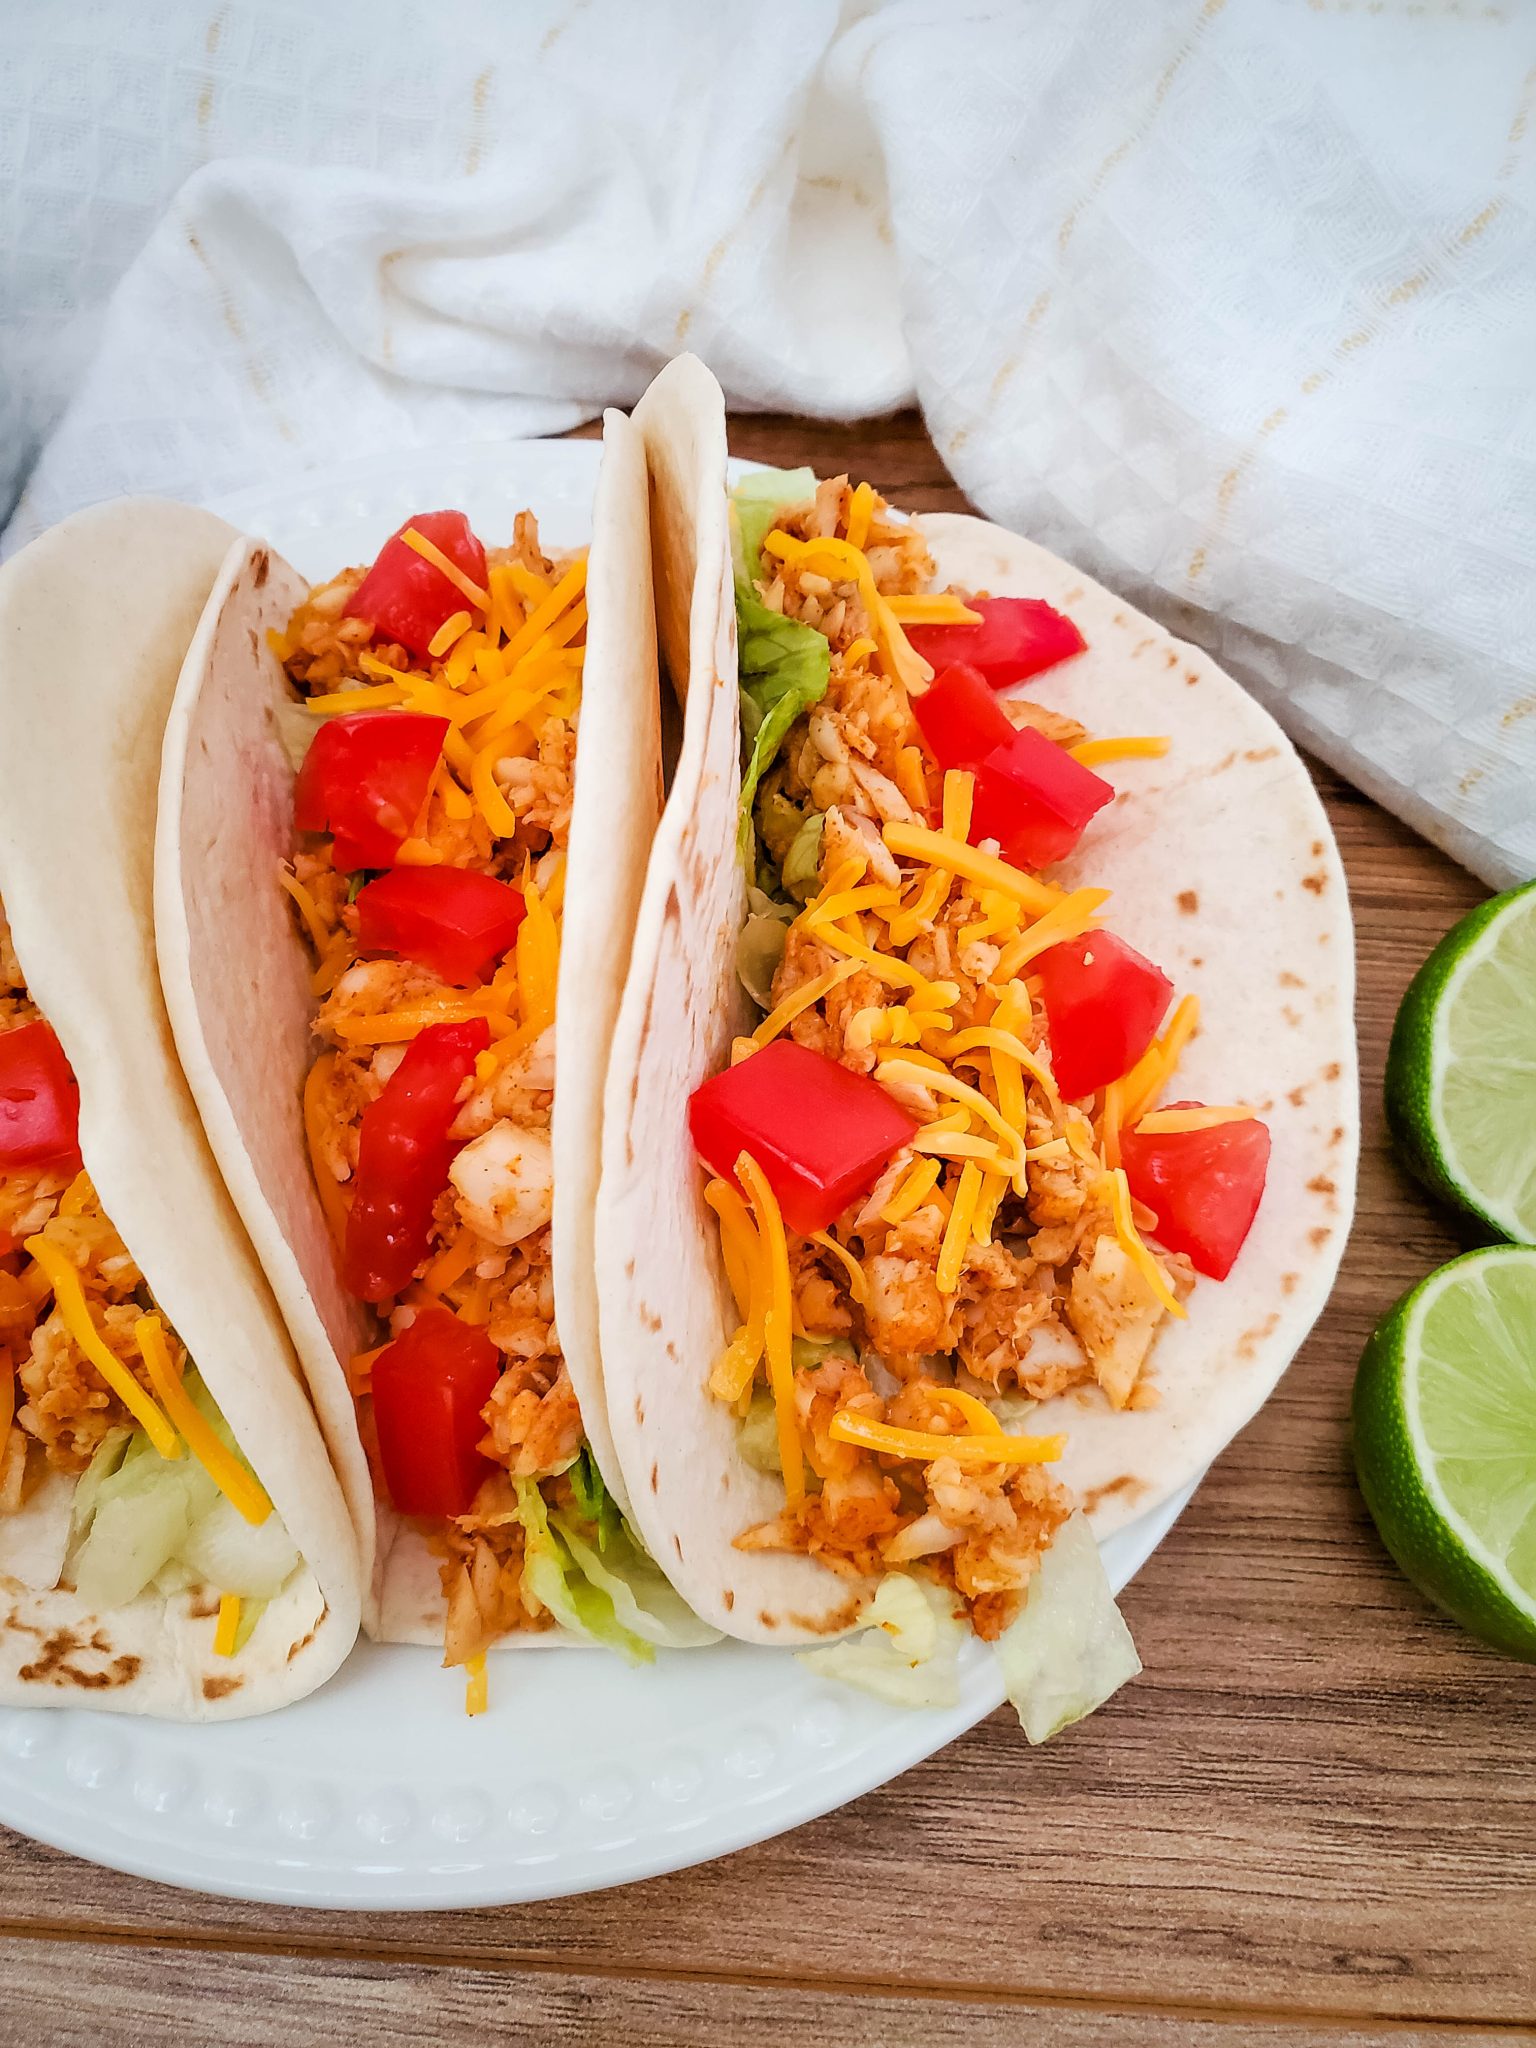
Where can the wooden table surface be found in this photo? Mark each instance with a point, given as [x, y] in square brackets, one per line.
[1312, 1821]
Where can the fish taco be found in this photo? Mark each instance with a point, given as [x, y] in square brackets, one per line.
[172, 1536]
[404, 826]
[981, 1123]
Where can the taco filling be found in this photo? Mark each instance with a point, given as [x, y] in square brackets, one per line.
[94, 1383]
[945, 1188]
[433, 810]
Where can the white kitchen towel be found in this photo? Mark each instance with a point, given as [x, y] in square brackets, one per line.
[1233, 301]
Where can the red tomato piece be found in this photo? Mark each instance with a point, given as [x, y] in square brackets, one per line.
[453, 920]
[365, 779]
[429, 1388]
[821, 1134]
[1017, 637]
[1204, 1185]
[403, 1155]
[39, 1100]
[960, 718]
[404, 597]
[1034, 799]
[1103, 1004]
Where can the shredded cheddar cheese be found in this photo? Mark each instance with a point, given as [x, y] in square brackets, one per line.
[957, 1231]
[1070, 918]
[1167, 1123]
[861, 506]
[938, 849]
[239, 1486]
[429, 552]
[450, 630]
[912, 1190]
[227, 1627]
[70, 1298]
[777, 1330]
[858, 1286]
[940, 609]
[477, 1687]
[892, 1442]
[1136, 747]
[1125, 1229]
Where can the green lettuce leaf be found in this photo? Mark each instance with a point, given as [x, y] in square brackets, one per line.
[1070, 1649]
[760, 945]
[802, 863]
[757, 501]
[906, 1650]
[785, 669]
[643, 1600]
[614, 1595]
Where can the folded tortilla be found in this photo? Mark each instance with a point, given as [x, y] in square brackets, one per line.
[237, 979]
[94, 619]
[1223, 870]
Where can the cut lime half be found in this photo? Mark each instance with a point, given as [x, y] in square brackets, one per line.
[1461, 1072]
[1445, 1440]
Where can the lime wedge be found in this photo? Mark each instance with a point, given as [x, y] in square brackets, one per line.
[1445, 1440]
[1461, 1072]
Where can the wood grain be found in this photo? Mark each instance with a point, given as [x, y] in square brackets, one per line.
[1312, 1820]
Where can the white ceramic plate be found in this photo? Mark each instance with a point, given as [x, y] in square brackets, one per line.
[377, 1791]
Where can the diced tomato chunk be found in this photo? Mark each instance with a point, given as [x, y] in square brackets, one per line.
[429, 1389]
[39, 1100]
[1017, 638]
[960, 718]
[1103, 1004]
[1205, 1186]
[365, 779]
[403, 1155]
[1034, 799]
[821, 1134]
[404, 597]
[453, 920]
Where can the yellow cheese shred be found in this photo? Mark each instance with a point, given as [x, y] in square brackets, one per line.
[938, 849]
[1157, 1065]
[911, 1191]
[465, 585]
[957, 1231]
[227, 1627]
[332, 1200]
[70, 1297]
[1167, 1123]
[742, 1250]
[240, 1487]
[861, 506]
[1069, 919]
[891, 1442]
[452, 628]
[939, 609]
[800, 999]
[777, 1330]
[983, 1422]
[1134, 747]
[1120, 1209]
[959, 797]
[377, 698]
[78, 1196]
[477, 1686]
[901, 1068]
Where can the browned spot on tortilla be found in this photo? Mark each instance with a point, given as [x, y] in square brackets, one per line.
[768, 1620]
[1119, 618]
[1127, 1483]
[1317, 849]
[728, 1599]
[672, 1351]
[639, 1411]
[1289, 1282]
[261, 568]
[55, 1665]
[650, 1320]
[1297, 1096]
[1250, 1340]
[1197, 960]
[1320, 1184]
[202, 1605]
[833, 1624]
[1191, 677]
[24, 1628]
[629, 1269]
[1260, 753]
[1292, 1017]
[1316, 883]
[221, 1688]
[1336, 1135]
[250, 634]
[1289, 980]
[1523, 707]
[297, 1649]
[1332, 1071]
[655, 1480]
[1188, 901]
[677, 1545]
[1172, 658]
[1320, 1235]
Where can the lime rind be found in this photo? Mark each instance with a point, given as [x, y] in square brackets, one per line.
[1445, 1440]
[1461, 1069]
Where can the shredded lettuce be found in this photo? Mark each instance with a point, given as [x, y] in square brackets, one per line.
[907, 1649]
[614, 1595]
[253, 1559]
[760, 945]
[802, 863]
[1070, 1649]
[596, 1503]
[643, 1601]
[757, 501]
[785, 667]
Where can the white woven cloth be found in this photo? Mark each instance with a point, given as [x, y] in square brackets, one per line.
[1234, 301]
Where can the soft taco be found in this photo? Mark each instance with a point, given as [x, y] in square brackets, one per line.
[404, 824]
[981, 1124]
[172, 1537]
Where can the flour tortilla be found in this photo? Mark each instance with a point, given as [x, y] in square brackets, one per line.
[94, 618]
[1223, 869]
[236, 975]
